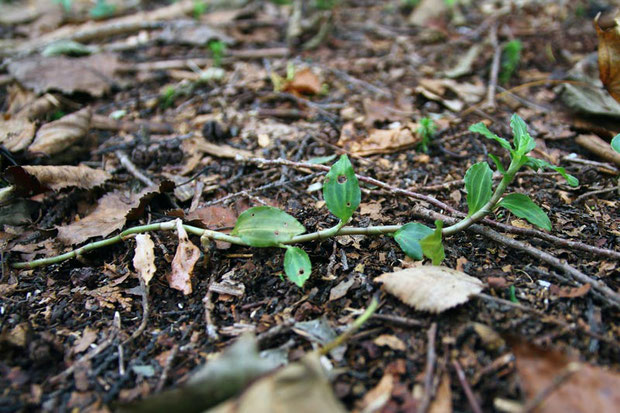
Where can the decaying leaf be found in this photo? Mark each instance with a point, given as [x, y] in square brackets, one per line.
[378, 140]
[144, 257]
[442, 403]
[299, 387]
[16, 134]
[111, 213]
[431, 288]
[213, 217]
[93, 74]
[183, 263]
[304, 82]
[36, 179]
[221, 378]
[57, 136]
[609, 54]
[585, 388]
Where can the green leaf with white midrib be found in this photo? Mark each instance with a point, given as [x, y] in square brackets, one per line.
[297, 265]
[341, 190]
[523, 207]
[409, 236]
[432, 247]
[479, 186]
[266, 226]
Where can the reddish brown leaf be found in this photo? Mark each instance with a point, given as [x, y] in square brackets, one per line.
[609, 54]
[590, 389]
[213, 217]
[569, 292]
[183, 263]
[36, 179]
[304, 82]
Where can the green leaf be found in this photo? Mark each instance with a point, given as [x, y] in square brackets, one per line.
[538, 164]
[479, 186]
[297, 265]
[498, 163]
[523, 207]
[341, 189]
[615, 143]
[482, 129]
[522, 139]
[408, 238]
[266, 226]
[432, 246]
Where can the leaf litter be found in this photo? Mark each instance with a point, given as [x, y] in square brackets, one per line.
[364, 90]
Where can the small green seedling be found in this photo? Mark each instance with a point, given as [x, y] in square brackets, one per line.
[615, 143]
[511, 55]
[218, 49]
[66, 4]
[200, 8]
[269, 227]
[426, 131]
[102, 9]
[326, 4]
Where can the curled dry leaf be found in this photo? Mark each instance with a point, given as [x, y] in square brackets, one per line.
[144, 257]
[378, 140]
[431, 288]
[93, 74]
[608, 33]
[16, 134]
[59, 135]
[183, 263]
[304, 82]
[36, 179]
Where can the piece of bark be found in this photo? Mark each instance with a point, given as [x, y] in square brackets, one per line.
[599, 147]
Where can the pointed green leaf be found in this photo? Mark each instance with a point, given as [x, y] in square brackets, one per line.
[408, 238]
[266, 226]
[523, 207]
[498, 163]
[538, 164]
[341, 189]
[321, 159]
[615, 143]
[432, 246]
[522, 139]
[484, 131]
[479, 186]
[297, 265]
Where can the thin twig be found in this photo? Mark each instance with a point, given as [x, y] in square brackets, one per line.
[144, 289]
[164, 374]
[471, 398]
[497, 53]
[132, 169]
[582, 197]
[430, 367]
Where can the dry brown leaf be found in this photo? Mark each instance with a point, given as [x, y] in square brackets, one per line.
[111, 213]
[442, 403]
[378, 396]
[299, 387]
[569, 292]
[431, 288]
[89, 336]
[183, 263]
[378, 140]
[391, 341]
[304, 82]
[16, 134]
[609, 54]
[590, 389]
[213, 217]
[35, 179]
[57, 136]
[144, 257]
[93, 74]
[221, 151]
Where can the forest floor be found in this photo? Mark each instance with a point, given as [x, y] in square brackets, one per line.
[168, 92]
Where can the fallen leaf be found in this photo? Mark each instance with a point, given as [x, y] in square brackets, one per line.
[191, 32]
[378, 140]
[609, 55]
[144, 257]
[183, 263]
[304, 82]
[16, 134]
[426, 11]
[36, 179]
[378, 396]
[589, 389]
[569, 292]
[111, 213]
[57, 136]
[299, 387]
[89, 336]
[373, 209]
[213, 217]
[442, 403]
[93, 74]
[431, 288]
[221, 378]
[390, 341]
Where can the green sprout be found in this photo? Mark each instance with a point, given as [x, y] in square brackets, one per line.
[511, 55]
[200, 8]
[102, 9]
[217, 48]
[426, 131]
